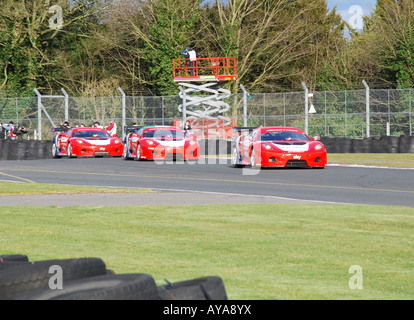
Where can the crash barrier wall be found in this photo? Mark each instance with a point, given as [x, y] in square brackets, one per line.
[32, 149]
[25, 149]
[385, 144]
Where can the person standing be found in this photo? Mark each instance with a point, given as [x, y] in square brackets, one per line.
[111, 128]
[187, 128]
[193, 58]
[190, 54]
[96, 124]
[10, 128]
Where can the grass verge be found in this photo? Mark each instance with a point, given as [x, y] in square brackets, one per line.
[16, 188]
[396, 160]
[260, 251]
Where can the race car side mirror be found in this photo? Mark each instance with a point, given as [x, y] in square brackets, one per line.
[316, 138]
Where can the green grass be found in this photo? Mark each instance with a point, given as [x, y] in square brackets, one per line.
[14, 188]
[398, 160]
[260, 251]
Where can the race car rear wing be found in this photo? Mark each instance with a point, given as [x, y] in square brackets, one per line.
[132, 128]
[243, 129]
[60, 129]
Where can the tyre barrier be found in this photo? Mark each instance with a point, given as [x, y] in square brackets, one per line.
[89, 279]
[384, 144]
[207, 288]
[25, 149]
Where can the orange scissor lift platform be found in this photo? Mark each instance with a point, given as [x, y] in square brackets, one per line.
[205, 69]
[216, 69]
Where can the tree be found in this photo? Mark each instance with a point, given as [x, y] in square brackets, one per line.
[277, 43]
[149, 36]
[31, 40]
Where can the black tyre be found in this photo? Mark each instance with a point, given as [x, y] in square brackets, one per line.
[14, 257]
[55, 151]
[16, 281]
[235, 159]
[70, 151]
[108, 287]
[126, 152]
[7, 265]
[139, 151]
[253, 159]
[207, 288]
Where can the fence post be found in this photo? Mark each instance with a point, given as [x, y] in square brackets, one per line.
[184, 105]
[162, 110]
[17, 112]
[409, 117]
[123, 111]
[367, 108]
[306, 106]
[244, 105]
[66, 104]
[39, 114]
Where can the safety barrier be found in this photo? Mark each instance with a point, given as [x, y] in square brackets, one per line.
[25, 149]
[32, 149]
[384, 144]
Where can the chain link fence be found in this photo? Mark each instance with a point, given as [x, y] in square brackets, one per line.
[337, 113]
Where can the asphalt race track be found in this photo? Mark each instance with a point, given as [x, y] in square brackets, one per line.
[211, 181]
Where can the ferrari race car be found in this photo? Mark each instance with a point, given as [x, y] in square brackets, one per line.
[85, 142]
[278, 147]
[160, 142]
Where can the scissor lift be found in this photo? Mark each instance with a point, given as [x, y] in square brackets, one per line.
[202, 110]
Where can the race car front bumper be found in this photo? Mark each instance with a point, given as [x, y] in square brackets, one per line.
[273, 159]
[97, 151]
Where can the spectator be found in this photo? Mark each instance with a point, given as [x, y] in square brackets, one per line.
[187, 128]
[112, 128]
[96, 124]
[191, 54]
[11, 130]
[65, 125]
[22, 130]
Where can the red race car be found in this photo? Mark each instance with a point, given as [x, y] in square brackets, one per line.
[278, 147]
[86, 142]
[160, 142]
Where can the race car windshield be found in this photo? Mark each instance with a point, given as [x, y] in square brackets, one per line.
[283, 136]
[91, 135]
[164, 134]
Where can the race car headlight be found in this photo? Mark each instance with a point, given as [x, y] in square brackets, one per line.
[150, 142]
[117, 141]
[267, 146]
[192, 142]
[318, 146]
[79, 141]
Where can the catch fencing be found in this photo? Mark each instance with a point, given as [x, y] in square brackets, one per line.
[351, 114]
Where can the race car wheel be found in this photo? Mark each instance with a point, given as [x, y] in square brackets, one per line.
[235, 159]
[70, 151]
[253, 159]
[126, 152]
[55, 151]
[139, 151]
